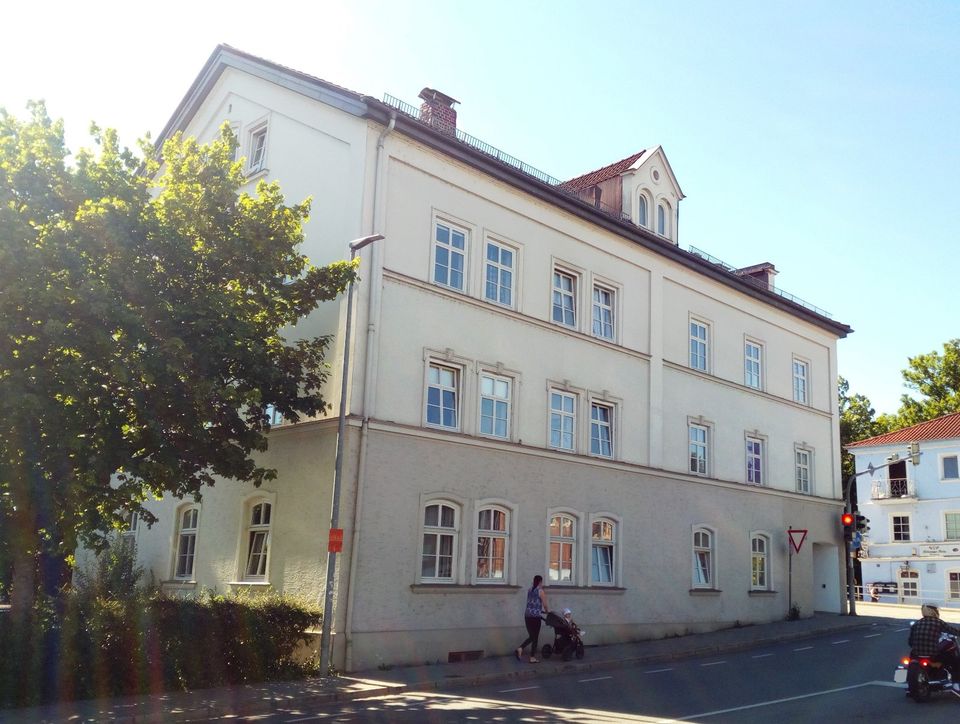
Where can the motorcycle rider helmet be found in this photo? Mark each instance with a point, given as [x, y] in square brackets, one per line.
[929, 610]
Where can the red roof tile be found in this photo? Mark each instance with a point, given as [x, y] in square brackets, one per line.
[942, 428]
[601, 174]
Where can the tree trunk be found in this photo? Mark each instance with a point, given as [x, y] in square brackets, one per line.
[24, 587]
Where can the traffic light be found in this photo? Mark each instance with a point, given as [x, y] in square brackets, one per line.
[862, 524]
[915, 453]
[847, 520]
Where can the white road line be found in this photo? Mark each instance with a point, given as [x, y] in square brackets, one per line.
[804, 648]
[656, 671]
[760, 656]
[870, 636]
[894, 684]
[308, 718]
[599, 678]
[522, 688]
[898, 630]
[713, 663]
[841, 641]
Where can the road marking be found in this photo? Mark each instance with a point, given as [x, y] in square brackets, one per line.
[656, 671]
[767, 703]
[804, 648]
[713, 663]
[307, 718]
[841, 641]
[898, 630]
[522, 688]
[760, 656]
[599, 678]
[870, 636]
[894, 684]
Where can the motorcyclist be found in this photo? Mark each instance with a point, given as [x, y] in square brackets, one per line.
[925, 638]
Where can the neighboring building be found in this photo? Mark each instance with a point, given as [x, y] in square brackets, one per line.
[542, 381]
[912, 551]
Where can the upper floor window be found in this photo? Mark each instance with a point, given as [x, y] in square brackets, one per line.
[801, 376]
[563, 417]
[274, 417]
[441, 528]
[699, 341]
[188, 524]
[900, 525]
[949, 467]
[752, 364]
[759, 563]
[499, 274]
[258, 149]
[603, 548]
[803, 468]
[642, 210]
[565, 298]
[132, 522]
[494, 405]
[601, 429]
[449, 254]
[603, 300]
[698, 449]
[951, 526]
[661, 220]
[443, 396]
[258, 541]
[563, 545]
[703, 558]
[754, 461]
[492, 542]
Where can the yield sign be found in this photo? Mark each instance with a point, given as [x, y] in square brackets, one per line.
[797, 537]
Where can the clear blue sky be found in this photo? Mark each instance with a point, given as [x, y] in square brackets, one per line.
[823, 137]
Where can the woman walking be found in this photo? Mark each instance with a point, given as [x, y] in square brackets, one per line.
[533, 617]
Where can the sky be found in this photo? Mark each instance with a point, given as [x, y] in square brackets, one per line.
[823, 137]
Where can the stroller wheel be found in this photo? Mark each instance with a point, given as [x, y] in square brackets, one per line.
[579, 650]
[546, 651]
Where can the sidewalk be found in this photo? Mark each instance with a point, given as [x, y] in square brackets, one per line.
[247, 700]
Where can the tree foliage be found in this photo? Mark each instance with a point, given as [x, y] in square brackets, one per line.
[937, 378]
[142, 305]
[857, 422]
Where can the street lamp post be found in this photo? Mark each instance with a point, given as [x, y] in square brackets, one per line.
[333, 548]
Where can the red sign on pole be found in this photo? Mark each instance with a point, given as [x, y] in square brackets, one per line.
[797, 536]
[335, 542]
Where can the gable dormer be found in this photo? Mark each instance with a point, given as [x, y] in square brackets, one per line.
[640, 188]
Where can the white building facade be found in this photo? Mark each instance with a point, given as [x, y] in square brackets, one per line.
[911, 553]
[542, 382]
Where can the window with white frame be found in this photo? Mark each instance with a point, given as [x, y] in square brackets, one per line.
[602, 551]
[951, 526]
[449, 255]
[563, 545]
[498, 274]
[754, 453]
[601, 429]
[759, 563]
[494, 405]
[441, 528]
[801, 378]
[603, 312]
[900, 525]
[563, 420]
[752, 364]
[132, 522]
[492, 543]
[187, 525]
[564, 298]
[803, 468]
[909, 584]
[703, 558]
[699, 344]
[273, 416]
[258, 149]
[953, 585]
[948, 468]
[443, 396]
[642, 210]
[259, 520]
[662, 219]
[699, 440]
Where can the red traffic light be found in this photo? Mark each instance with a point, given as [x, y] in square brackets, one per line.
[847, 519]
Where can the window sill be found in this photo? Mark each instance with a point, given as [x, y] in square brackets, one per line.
[596, 588]
[179, 582]
[256, 175]
[757, 593]
[248, 583]
[463, 587]
[705, 591]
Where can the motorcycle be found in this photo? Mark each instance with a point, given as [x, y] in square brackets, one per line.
[925, 675]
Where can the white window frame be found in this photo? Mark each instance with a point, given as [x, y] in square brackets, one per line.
[893, 527]
[946, 525]
[132, 525]
[438, 531]
[753, 363]
[559, 295]
[764, 559]
[644, 203]
[801, 382]
[755, 449]
[186, 534]
[491, 535]
[563, 415]
[698, 449]
[603, 313]
[258, 138]
[908, 579]
[663, 222]
[598, 426]
[943, 471]
[496, 401]
[438, 247]
[951, 584]
[254, 531]
[803, 469]
[707, 564]
[695, 358]
[500, 269]
[602, 521]
[563, 542]
[441, 366]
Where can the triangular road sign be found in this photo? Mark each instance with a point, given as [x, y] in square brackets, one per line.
[797, 536]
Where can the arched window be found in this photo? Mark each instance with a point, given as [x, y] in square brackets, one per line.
[440, 533]
[760, 563]
[493, 538]
[563, 546]
[603, 550]
[188, 522]
[258, 522]
[662, 221]
[642, 210]
[703, 563]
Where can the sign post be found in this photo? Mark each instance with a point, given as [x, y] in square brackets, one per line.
[797, 536]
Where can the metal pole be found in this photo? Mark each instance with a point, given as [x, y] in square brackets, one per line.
[848, 547]
[328, 612]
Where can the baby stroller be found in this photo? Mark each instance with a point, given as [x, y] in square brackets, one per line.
[567, 639]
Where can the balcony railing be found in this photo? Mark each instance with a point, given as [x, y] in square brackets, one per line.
[892, 489]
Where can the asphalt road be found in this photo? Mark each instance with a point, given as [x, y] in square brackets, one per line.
[839, 678]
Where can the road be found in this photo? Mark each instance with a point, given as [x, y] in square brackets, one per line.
[839, 678]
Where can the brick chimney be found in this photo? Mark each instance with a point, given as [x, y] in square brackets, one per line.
[437, 110]
[763, 273]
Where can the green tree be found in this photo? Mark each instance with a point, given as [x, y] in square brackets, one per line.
[142, 304]
[857, 422]
[937, 378]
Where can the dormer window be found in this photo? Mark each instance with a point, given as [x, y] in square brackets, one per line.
[642, 211]
[661, 220]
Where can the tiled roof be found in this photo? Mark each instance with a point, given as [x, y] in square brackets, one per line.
[942, 428]
[601, 174]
